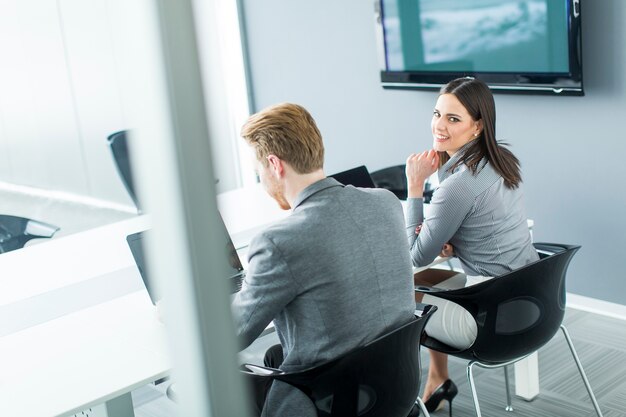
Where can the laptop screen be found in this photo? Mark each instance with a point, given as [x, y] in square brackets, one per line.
[358, 177]
[235, 272]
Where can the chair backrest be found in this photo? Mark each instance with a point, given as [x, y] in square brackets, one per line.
[393, 178]
[515, 313]
[380, 379]
[118, 142]
[16, 231]
[358, 177]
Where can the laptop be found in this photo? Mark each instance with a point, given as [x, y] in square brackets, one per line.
[236, 272]
[358, 177]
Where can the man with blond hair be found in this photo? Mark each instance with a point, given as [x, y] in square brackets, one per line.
[333, 275]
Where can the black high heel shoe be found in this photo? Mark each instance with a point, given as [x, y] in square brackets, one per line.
[446, 391]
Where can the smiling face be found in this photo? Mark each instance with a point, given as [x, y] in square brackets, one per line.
[452, 126]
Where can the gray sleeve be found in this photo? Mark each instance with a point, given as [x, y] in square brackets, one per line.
[414, 217]
[448, 208]
[267, 288]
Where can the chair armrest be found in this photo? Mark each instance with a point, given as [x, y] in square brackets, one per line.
[464, 296]
[425, 290]
[548, 248]
[261, 370]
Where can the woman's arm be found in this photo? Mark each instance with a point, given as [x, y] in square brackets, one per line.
[418, 168]
[448, 208]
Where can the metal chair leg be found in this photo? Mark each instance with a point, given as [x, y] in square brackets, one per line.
[470, 378]
[422, 407]
[509, 406]
[581, 370]
[504, 365]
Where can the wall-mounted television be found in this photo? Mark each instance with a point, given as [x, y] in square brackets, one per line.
[531, 46]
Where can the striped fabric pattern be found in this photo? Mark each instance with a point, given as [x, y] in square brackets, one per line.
[483, 220]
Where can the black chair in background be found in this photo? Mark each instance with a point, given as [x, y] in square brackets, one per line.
[118, 143]
[358, 177]
[16, 231]
[380, 379]
[393, 178]
[516, 314]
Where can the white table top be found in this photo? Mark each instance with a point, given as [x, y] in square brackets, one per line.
[247, 211]
[82, 359]
[68, 260]
[77, 327]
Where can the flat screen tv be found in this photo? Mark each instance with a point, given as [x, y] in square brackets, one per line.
[531, 46]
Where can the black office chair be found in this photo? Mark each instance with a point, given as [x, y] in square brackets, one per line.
[393, 178]
[358, 177]
[380, 379]
[118, 142]
[16, 231]
[516, 314]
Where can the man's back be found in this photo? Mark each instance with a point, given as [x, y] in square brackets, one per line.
[333, 275]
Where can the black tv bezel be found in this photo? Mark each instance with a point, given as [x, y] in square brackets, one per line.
[570, 84]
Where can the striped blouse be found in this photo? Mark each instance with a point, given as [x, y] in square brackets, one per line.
[483, 220]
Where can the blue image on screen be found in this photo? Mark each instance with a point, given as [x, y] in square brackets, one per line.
[476, 36]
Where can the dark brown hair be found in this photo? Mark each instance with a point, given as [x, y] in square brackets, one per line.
[477, 99]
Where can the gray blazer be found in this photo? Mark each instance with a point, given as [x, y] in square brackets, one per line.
[333, 275]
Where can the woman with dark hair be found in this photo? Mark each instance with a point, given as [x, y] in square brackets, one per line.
[476, 214]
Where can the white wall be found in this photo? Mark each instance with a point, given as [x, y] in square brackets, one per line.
[61, 96]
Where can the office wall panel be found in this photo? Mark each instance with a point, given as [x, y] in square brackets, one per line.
[60, 97]
[323, 55]
[5, 42]
[5, 166]
[16, 100]
[39, 117]
[91, 64]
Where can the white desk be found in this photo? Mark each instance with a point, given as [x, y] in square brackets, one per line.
[82, 359]
[247, 211]
[61, 352]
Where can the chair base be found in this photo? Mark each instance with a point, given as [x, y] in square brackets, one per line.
[509, 407]
[422, 407]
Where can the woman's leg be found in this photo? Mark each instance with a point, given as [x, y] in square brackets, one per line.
[437, 373]
[448, 321]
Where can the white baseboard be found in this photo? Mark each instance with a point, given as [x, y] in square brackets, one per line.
[593, 305]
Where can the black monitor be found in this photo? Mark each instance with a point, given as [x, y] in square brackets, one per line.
[358, 177]
[530, 46]
[135, 243]
[118, 143]
[235, 273]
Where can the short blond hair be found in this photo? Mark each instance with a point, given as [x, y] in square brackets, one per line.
[288, 131]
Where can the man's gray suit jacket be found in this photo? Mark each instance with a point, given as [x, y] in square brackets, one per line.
[332, 276]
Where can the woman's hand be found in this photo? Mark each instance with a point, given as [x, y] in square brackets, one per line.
[418, 168]
[447, 250]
